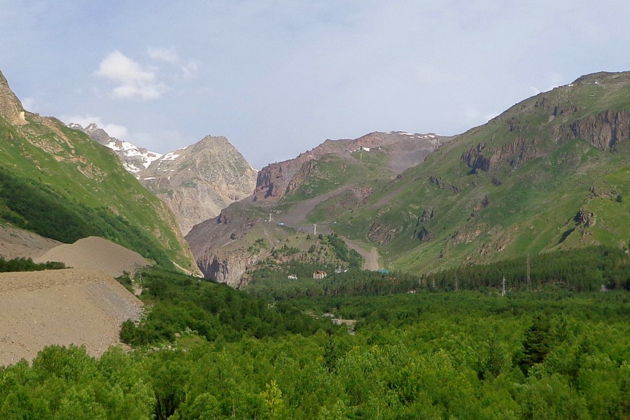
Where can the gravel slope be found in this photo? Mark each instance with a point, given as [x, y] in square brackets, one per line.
[17, 243]
[98, 254]
[61, 307]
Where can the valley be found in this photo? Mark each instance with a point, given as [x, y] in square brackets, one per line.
[394, 275]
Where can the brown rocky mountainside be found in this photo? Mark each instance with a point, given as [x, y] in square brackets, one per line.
[198, 181]
[10, 106]
[337, 172]
[405, 150]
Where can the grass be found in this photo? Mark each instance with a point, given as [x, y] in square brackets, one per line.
[45, 165]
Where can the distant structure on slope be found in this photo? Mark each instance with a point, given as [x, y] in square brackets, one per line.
[318, 275]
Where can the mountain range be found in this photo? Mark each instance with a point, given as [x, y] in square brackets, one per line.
[60, 184]
[550, 173]
[196, 182]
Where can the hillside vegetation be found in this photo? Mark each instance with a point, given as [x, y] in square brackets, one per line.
[58, 183]
[548, 174]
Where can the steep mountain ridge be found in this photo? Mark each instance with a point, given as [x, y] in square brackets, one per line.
[549, 173]
[134, 158]
[274, 180]
[292, 195]
[59, 183]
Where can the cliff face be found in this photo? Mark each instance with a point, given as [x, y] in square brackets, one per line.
[10, 106]
[197, 182]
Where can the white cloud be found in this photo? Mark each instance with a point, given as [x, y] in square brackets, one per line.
[188, 68]
[114, 130]
[163, 54]
[132, 79]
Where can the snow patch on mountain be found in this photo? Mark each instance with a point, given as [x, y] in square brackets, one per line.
[134, 158]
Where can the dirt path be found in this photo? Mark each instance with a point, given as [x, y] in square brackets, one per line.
[61, 307]
[370, 256]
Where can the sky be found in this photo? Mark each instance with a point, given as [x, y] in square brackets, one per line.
[278, 77]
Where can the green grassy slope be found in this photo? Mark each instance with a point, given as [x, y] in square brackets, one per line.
[57, 182]
[543, 164]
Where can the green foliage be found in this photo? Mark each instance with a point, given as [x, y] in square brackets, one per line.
[352, 257]
[59, 183]
[579, 270]
[182, 305]
[40, 209]
[27, 264]
[429, 355]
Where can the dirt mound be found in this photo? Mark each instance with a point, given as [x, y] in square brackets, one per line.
[61, 307]
[18, 243]
[94, 253]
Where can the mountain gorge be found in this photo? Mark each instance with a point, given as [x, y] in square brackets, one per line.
[291, 196]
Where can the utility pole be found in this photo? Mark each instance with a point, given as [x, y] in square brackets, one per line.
[529, 279]
[456, 282]
[503, 287]
[314, 229]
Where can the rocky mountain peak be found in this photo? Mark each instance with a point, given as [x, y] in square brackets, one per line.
[10, 106]
[403, 149]
[135, 159]
[198, 181]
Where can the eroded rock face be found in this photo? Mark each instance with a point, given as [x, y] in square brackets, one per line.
[10, 106]
[519, 151]
[603, 130]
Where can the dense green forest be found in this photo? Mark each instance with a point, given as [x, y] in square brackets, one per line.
[207, 351]
[587, 269]
[27, 264]
[181, 303]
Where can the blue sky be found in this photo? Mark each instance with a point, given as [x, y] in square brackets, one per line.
[279, 77]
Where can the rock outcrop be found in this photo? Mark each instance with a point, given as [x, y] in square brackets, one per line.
[603, 130]
[10, 106]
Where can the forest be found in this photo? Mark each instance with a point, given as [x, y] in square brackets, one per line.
[587, 269]
[207, 351]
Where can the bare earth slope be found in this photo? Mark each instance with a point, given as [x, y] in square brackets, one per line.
[19, 243]
[96, 254]
[61, 307]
